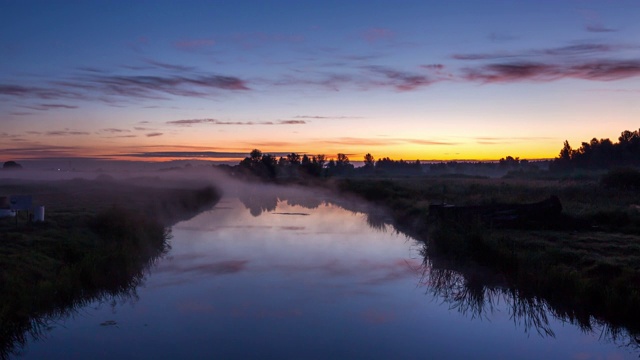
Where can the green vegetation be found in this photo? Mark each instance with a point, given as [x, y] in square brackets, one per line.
[585, 263]
[600, 154]
[98, 239]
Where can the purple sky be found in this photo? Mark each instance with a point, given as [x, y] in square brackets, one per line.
[405, 79]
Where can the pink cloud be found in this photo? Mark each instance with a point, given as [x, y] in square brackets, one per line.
[193, 44]
[372, 316]
[606, 70]
[253, 39]
[376, 34]
[195, 307]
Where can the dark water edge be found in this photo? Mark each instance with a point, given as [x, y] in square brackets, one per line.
[470, 287]
[472, 281]
[469, 267]
[102, 258]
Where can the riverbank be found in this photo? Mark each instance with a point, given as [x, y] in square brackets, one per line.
[584, 264]
[98, 238]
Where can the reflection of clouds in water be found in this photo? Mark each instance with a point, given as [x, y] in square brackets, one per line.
[260, 198]
[191, 306]
[183, 269]
[399, 269]
[292, 228]
[375, 273]
[215, 268]
[376, 317]
[252, 310]
[220, 227]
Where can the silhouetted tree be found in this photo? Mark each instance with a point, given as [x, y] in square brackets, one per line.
[294, 159]
[342, 160]
[331, 167]
[509, 162]
[321, 161]
[563, 161]
[260, 165]
[600, 154]
[305, 160]
[268, 166]
[11, 165]
[369, 162]
[255, 155]
[343, 166]
[398, 167]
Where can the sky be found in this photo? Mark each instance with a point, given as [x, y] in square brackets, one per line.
[429, 80]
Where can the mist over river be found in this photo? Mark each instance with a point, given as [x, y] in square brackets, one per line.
[301, 274]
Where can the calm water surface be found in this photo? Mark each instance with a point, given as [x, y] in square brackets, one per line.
[300, 279]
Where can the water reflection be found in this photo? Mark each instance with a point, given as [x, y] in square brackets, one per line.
[111, 280]
[477, 291]
[472, 290]
[284, 285]
[261, 199]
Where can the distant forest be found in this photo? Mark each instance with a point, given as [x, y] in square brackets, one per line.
[596, 154]
[600, 154]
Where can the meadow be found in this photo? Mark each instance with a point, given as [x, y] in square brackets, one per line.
[97, 240]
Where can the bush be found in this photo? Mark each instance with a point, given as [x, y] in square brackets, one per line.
[625, 179]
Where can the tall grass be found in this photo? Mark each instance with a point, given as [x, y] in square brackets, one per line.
[585, 264]
[81, 255]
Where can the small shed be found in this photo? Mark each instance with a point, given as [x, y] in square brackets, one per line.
[5, 207]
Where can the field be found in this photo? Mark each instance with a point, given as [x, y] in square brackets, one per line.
[100, 235]
[97, 239]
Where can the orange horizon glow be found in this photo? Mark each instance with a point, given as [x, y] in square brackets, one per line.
[460, 153]
[213, 90]
[230, 150]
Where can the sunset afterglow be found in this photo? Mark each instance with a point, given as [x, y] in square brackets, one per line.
[211, 80]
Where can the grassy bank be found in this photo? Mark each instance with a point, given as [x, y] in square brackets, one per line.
[585, 264]
[96, 242]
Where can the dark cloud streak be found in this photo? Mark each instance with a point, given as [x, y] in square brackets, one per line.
[52, 106]
[192, 154]
[292, 122]
[66, 133]
[102, 86]
[606, 70]
[191, 122]
[114, 130]
[599, 28]
[401, 80]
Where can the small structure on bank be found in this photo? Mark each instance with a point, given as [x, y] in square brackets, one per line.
[5, 207]
[500, 215]
[11, 206]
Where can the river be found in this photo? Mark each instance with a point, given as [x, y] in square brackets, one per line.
[302, 275]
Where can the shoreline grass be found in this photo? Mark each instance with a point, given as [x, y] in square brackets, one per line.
[587, 265]
[97, 242]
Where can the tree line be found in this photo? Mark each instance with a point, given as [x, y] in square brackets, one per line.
[600, 154]
[295, 165]
[593, 155]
